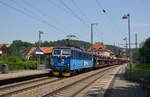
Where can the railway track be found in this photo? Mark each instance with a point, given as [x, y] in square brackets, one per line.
[8, 90]
[76, 87]
[56, 87]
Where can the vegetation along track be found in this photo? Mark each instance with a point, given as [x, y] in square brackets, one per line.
[76, 87]
[11, 89]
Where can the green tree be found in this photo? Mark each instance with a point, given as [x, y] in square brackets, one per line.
[19, 48]
[136, 55]
[144, 51]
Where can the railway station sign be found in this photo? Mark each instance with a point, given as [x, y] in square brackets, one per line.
[1, 52]
[124, 54]
[38, 52]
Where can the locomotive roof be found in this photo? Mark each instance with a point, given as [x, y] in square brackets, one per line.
[73, 48]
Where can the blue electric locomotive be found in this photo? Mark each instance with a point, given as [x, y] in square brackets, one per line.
[66, 60]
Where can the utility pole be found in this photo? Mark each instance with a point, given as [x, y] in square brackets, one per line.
[39, 59]
[92, 32]
[114, 50]
[136, 41]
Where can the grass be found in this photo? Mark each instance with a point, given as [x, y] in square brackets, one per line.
[13, 71]
[141, 66]
[139, 71]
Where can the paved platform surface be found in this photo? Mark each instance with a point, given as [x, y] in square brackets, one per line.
[120, 87]
[22, 74]
[99, 87]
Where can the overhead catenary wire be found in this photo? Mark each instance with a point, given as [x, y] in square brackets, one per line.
[82, 13]
[72, 12]
[68, 10]
[62, 8]
[30, 15]
[41, 12]
[33, 7]
[22, 6]
[14, 8]
[34, 15]
[39, 17]
[58, 6]
[106, 13]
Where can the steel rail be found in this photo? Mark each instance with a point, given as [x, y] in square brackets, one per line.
[27, 88]
[67, 86]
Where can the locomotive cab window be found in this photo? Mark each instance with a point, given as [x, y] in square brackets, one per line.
[57, 52]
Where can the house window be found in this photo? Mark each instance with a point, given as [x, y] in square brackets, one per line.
[94, 48]
[100, 48]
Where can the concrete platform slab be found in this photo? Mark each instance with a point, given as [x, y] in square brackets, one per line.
[120, 87]
[14, 77]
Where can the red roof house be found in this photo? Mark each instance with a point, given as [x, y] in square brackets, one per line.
[97, 47]
[44, 50]
[100, 48]
[4, 50]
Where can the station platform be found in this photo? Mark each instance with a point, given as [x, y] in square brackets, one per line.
[22, 75]
[114, 84]
[120, 87]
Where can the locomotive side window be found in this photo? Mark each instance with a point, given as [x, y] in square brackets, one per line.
[73, 54]
[80, 55]
[85, 56]
[88, 56]
[77, 54]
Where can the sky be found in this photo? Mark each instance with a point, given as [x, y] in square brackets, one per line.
[23, 19]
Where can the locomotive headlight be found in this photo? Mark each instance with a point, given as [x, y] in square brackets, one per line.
[53, 63]
[67, 65]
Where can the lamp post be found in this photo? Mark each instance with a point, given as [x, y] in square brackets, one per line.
[127, 16]
[38, 65]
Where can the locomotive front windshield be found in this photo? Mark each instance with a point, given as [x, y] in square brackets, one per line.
[66, 52]
[57, 52]
[63, 52]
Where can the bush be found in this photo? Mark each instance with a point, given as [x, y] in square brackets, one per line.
[139, 71]
[3, 57]
[14, 59]
[16, 63]
[33, 57]
[30, 65]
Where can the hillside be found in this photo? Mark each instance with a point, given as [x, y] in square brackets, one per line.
[20, 48]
